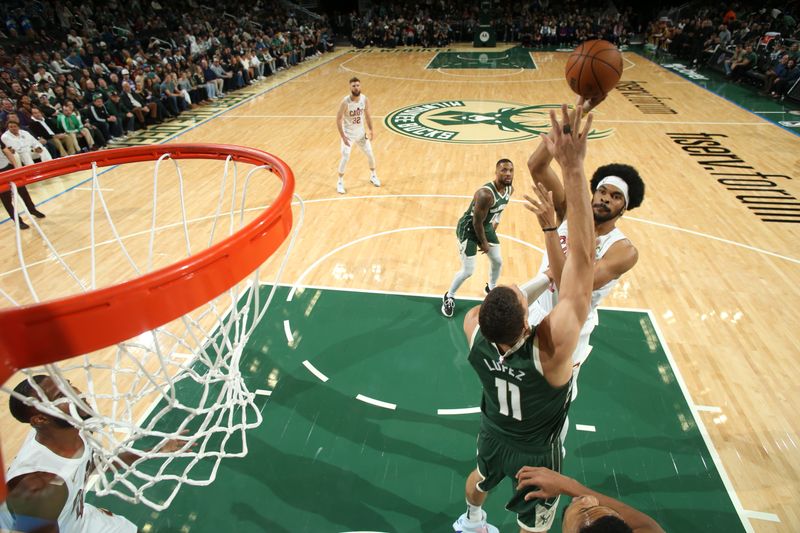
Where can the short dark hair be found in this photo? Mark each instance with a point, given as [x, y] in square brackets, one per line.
[502, 316]
[504, 160]
[629, 175]
[607, 524]
[354, 79]
[18, 409]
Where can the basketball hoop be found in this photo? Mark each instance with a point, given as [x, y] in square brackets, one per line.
[175, 325]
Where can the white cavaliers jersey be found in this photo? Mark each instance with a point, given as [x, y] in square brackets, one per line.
[77, 516]
[353, 121]
[548, 299]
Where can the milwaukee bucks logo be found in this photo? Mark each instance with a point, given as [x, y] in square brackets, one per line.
[475, 122]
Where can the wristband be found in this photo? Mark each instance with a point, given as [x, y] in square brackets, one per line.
[550, 229]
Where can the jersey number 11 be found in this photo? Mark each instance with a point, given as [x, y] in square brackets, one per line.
[503, 390]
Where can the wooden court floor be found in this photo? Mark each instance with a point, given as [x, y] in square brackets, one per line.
[722, 280]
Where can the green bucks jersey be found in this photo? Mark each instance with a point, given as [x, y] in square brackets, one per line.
[465, 229]
[518, 403]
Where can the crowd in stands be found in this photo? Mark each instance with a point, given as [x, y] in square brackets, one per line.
[757, 45]
[437, 24]
[76, 76]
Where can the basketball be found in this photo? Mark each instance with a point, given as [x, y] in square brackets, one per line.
[594, 68]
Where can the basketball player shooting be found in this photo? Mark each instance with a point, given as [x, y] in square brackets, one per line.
[526, 372]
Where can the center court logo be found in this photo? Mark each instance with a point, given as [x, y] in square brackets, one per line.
[475, 121]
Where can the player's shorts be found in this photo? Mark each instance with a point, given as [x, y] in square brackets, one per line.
[356, 138]
[497, 460]
[468, 246]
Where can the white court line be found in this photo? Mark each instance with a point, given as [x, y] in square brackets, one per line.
[287, 330]
[627, 217]
[713, 238]
[431, 61]
[598, 120]
[464, 411]
[708, 408]
[426, 294]
[478, 60]
[689, 122]
[770, 112]
[489, 72]
[344, 66]
[726, 481]
[311, 368]
[373, 401]
[314, 265]
[263, 392]
[580, 427]
[395, 196]
[757, 515]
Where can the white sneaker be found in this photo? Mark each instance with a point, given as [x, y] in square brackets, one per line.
[375, 181]
[340, 187]
[462, 525]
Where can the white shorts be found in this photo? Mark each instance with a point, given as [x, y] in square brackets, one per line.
[359, 139]
[97, 521]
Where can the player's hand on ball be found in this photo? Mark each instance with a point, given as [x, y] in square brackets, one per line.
[566, 143]
[591, 103]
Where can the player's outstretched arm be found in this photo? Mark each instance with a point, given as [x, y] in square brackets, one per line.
[558, 332]
[542, 173]
[544, 209]
[540, 159]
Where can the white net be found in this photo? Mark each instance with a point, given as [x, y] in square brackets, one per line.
[174, 400]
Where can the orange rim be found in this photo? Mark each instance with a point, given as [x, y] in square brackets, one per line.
[59, 329]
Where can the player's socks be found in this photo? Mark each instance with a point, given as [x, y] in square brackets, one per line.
[474, 513]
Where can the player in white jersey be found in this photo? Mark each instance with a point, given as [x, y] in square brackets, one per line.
[354, 114]
[615, 188]
[47, 479]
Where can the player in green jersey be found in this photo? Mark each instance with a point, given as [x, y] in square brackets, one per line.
[476, 231]
[525, 373]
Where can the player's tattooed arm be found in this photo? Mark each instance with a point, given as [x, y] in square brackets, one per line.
[483, 202]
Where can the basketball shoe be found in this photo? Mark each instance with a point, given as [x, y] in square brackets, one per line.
[448, 305]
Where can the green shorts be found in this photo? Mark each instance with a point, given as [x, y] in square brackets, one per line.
[469, 244]
[497, 461]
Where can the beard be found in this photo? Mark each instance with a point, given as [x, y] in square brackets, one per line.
[602, 213]
[355, 92]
